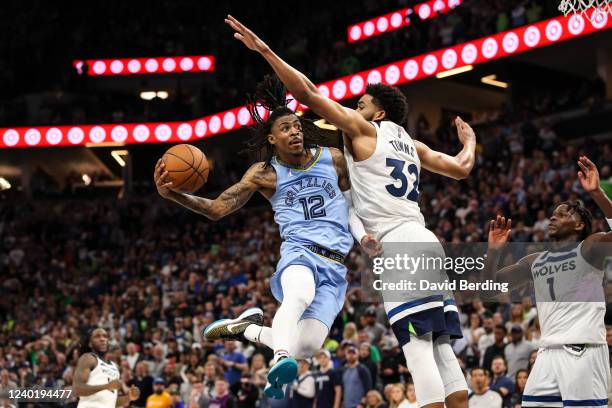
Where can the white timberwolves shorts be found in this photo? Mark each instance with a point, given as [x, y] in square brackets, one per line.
[569, 376]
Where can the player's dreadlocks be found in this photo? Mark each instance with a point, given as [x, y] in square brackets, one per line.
[270, 94]
[391, 100]
[584, 214]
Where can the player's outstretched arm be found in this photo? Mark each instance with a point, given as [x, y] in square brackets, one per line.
[345, 119]
[596, 247]
[369, 243]
[229, 201]
[457, 167]
[516, 274]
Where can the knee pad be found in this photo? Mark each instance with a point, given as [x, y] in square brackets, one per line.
[449, 368]
[311, 336]
[422, 365]
[298, 285]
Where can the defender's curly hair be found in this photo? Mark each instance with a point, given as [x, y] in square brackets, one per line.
[271, 94]
[391, 100]
[584, 214]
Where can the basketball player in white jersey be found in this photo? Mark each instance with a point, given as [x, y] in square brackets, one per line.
[96, 381]
[573, 367]
[384, 165]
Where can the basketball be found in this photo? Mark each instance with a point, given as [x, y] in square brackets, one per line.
[187, 168]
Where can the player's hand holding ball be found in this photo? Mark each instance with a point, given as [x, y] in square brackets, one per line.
[182, 169]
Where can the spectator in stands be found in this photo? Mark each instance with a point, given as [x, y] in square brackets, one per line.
[391, 361]
[245, 392]
[144, 382]
[303, 389]
[482, 396]
[234, 362]
[517, 396]
[373, 399]
[517, 352]
[497, 349]
[221, 396]
[374, 329]
[398, 397]
[411, 396]
[328, 382]
[500, 382]
[356, 380]
[365, 358]
[487, 339]
[160, 397]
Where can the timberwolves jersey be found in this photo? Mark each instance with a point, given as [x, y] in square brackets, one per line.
[308, 205]
[385, 186]
[103, 373]
[570, 298]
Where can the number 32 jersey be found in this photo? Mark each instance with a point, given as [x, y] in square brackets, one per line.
[385, 186]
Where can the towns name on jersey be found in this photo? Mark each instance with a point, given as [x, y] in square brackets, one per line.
[400, 146]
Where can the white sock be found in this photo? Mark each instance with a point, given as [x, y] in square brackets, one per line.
[298, 284]
[259, 334]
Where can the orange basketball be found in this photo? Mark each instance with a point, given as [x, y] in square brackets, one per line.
[187, 168]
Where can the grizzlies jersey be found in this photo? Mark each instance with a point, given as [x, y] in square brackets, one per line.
[385, 186]
[570, 298]
[308, 205]
[103, 373]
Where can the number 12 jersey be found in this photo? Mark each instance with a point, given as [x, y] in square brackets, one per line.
[385, 186]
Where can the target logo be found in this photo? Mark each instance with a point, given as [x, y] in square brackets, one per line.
[163, 132]
[99, 67]
[392, 74]
[215, 123]
[575, 24]
[200, 127]
[449, 59]
[116, 66]
[229, 120]
[356, 84]
[243, 116]
[599, 18]
[411, 69]
[134, 66]
[184, 131]
[510, 42]
[531, 36]
[368, 28]
[186, 64]
[169, 65]
[324, 90]
[32, 137]
[292, 104]
[439, 5]
[424, 11]
[204, 63]
[11, 137]
[430, 64]
[355, 33]
[119, 134]
[75, 135]
[339, 89]
[141, 133]
[374, 77]
[97, 134]
[396, 20]
[53, 136]
[469, 53]
[151, 65]
[489, 48]
[553, 30]
[382, 24]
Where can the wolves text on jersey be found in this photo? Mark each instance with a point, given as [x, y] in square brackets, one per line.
[307, 182]
[551, 269]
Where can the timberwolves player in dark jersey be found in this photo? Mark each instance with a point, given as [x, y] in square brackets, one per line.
[572, 367]
[308, 188]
